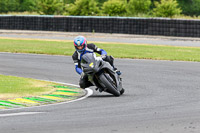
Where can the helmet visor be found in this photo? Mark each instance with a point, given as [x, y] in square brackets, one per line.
[80, 47]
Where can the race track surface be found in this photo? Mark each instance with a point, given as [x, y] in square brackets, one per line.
[160, 97]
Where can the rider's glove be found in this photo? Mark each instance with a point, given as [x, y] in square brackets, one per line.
[103, 56]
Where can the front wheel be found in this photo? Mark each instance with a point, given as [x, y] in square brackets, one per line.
[122, 91]
[109, 83]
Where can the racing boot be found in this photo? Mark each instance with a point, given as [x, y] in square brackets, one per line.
[100, 89]
[117, 71]
[110, 59]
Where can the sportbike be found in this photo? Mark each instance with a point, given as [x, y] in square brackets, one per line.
[101, 74]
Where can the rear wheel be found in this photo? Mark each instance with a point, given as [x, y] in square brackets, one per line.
[109, 83]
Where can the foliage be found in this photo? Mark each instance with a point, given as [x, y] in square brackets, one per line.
[3, 6]
[101, 2]
[166, 8]
[68, 1]
[17, 5]
[13, 5]
[135, 7]
[50, 7]
[142, 8]
[114, 8]
[83, 8]
[9, 5]
[27, 5]
[190, 7]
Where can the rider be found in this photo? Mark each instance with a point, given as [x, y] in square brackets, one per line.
[81, 46]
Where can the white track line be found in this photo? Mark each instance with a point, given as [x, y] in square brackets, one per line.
[21, 113]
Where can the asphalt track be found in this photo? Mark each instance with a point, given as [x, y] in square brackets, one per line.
[160, 97]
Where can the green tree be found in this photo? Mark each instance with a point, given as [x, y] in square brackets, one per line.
[83, 8]
[50, 7]
[135, 7]
[152, 3]
[3, 6]
[16, 5]
[166, 8]
[27, 5]
[69, 1]
[114, 8]
[190, 7]
[101, 2]
[13, 5]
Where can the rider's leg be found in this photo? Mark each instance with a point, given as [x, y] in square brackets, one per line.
[84, 83]
[110, 59]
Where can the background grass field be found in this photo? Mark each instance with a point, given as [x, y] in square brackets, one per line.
[134, 51]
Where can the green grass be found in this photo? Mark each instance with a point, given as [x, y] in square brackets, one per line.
[35, 46]
[20, 13]
[13, 87]
[136, 51]
[155, 52]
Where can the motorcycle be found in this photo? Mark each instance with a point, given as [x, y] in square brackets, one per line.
[101, 74]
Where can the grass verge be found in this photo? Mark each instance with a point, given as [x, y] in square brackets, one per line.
[136, 51]
[14, 87]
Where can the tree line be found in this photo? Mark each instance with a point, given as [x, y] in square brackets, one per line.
[132, 8]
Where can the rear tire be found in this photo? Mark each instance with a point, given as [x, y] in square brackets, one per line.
[111, 88]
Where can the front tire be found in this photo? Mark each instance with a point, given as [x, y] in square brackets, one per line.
[122, 91]
[107, 81]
